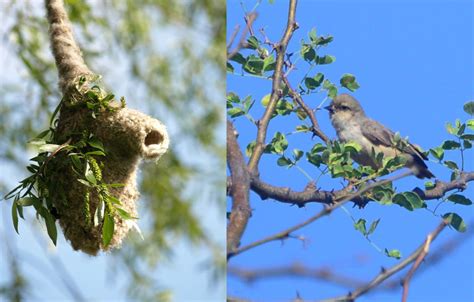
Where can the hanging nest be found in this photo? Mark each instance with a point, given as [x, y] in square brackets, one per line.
[91, 176]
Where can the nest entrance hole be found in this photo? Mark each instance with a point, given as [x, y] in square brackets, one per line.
[153, 138]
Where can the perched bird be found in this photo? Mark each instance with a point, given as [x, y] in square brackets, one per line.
[351, 124]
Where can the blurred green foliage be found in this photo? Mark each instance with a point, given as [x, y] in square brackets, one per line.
[167, 58]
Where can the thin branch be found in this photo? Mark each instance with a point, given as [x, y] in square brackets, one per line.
[295, 269]
[419, 259]
[239, 190]
[386, 273]
[326, 211]
[315, 128]
[442, 187]
[249, 19]
[327, 275]
[276, 89]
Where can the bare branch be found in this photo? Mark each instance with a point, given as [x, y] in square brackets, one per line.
[249, 19]
[421, 256]
[326, 211]
[315, 128]
[276, 89]
[386, 273]
[295, 269]
[239, 190]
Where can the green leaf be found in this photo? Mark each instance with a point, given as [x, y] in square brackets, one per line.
[50, 226]
[415, 200]
[437, 152]
[314, 159]
[301, 114]
[99, 153]
[252, 42]
[360, 226]
[307, 52]
[455, 221]
[319, 78]
[15, 216]
[429, 185]
[451, 129]
[278, 144]
[450, 145]
[113, 200]
[467, 144]
[393, 253]
[269, 63]
[96, 143]
[451, 165]
[254, 65]
[324, 40]
[37, 142]
[235, 112]
[408, 200]
[327, 59]
[331, 88]
[89, 174]
[234, 98]
[470, 124]
[469, 107]
[349, 81]
[124, 214]
[108, 229]
[283, 161]
[108, 98]
[48, 148]
[43, 134]
[468, 137]
[302, 128]
[265, 100]
[352, 147]
[297, 154]
[115, 185]
[84, 182]
[318, 148]
[239, 58]
[373, 226]
[249, 149]
[310, 83]
[28, 201]
[460, 199]
[230, 68]
[312, 35]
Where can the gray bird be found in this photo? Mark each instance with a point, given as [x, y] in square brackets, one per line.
[351, 124]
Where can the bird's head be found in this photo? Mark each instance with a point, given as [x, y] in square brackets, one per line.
[344, 106]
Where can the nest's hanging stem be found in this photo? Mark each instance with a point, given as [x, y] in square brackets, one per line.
[66, 52]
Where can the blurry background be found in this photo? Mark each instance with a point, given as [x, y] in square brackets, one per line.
[414, 63]
[167, 59]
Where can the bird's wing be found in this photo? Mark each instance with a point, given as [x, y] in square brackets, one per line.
[377, 134]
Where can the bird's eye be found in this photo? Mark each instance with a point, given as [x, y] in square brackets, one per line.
[343, 107]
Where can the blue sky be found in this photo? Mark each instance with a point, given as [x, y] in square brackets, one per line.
[414, 63]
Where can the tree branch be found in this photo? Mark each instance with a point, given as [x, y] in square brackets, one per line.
[295, 269]
[276, 90]
[249, 19]
[421, 256]
[386, 273]
[326, 211]
[315, 129]
[239, 190]
[313, 194]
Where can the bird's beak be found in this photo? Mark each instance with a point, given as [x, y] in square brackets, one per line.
[329, 108]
